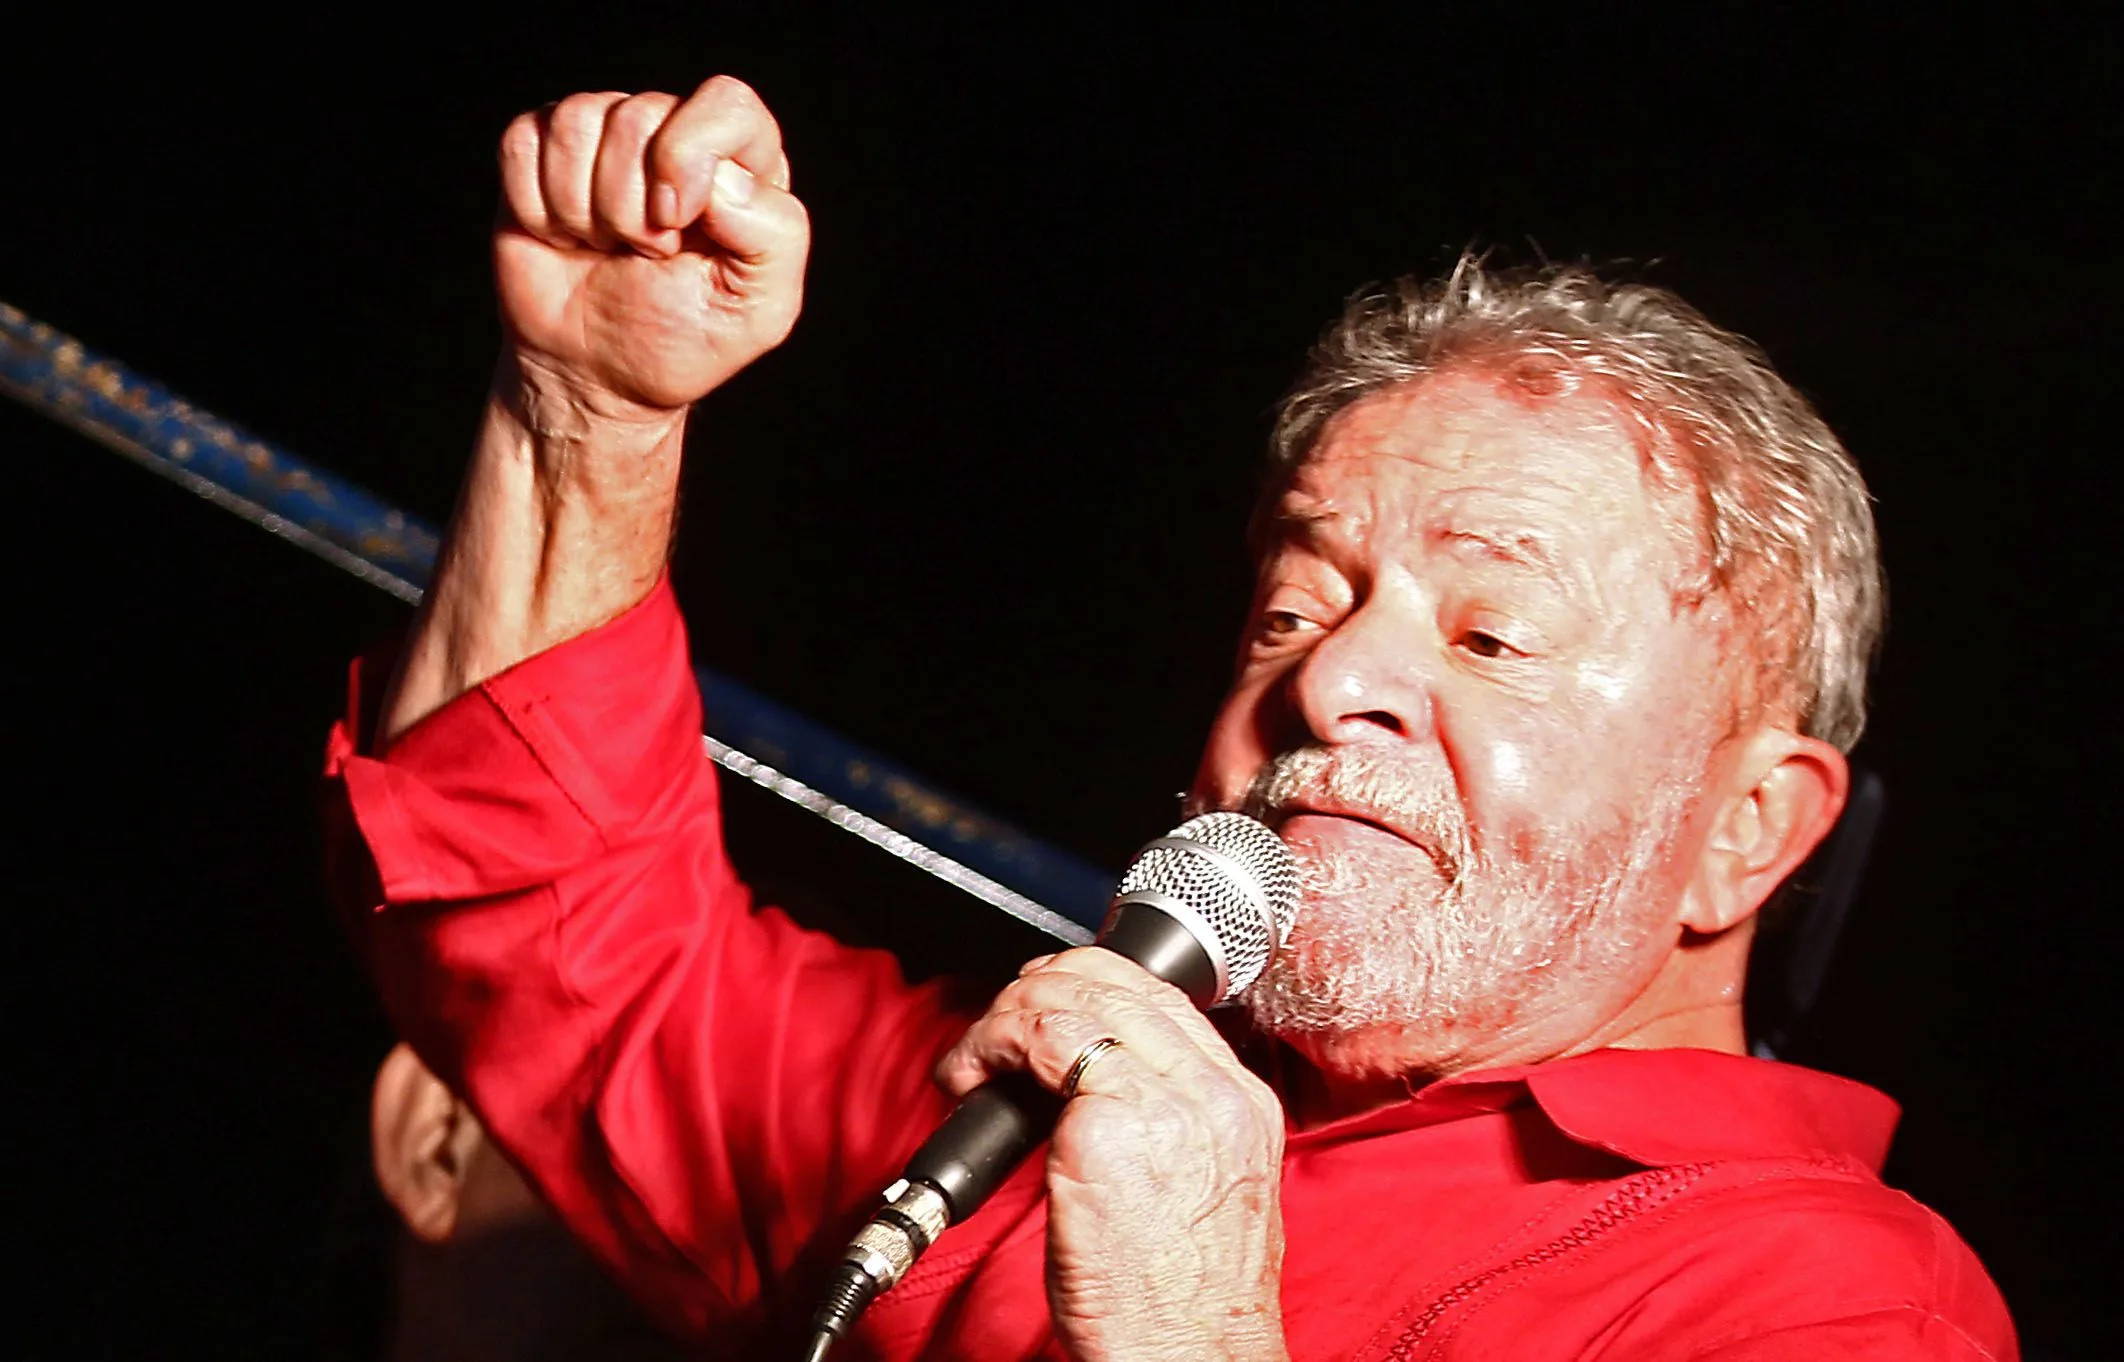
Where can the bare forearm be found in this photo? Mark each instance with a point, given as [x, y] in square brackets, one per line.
[564, 522]
[626, 298]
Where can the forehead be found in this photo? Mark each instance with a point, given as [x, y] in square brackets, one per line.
[1458, 454]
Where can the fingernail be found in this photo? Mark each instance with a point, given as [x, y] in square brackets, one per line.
[733, 184]
[663, 204]
[1034, 963]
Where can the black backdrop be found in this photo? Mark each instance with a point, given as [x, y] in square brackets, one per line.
[982, 512]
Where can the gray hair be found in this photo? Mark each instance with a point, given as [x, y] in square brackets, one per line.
[1783, 527]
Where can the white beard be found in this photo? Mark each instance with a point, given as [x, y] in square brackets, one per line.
[1475, 949]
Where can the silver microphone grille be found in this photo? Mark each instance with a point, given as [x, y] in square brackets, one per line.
[1236, 875]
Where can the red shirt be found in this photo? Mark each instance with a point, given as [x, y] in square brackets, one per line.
[712, 1097]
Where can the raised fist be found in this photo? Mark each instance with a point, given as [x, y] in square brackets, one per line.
[649, 247]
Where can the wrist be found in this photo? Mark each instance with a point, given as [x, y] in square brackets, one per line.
[1248, 1330]
[1194, 1340]
[579, 456]
[563, 523]
[563, 412]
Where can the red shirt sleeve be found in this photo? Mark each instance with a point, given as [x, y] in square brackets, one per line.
[536, 876]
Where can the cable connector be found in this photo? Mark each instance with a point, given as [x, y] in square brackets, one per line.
[913, 1215]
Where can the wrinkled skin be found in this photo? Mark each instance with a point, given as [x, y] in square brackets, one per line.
[649, 249]
[1478, 593]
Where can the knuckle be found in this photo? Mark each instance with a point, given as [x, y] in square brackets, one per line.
[519, 141]
[1103, 1000]
[639, 114]
[1050, 1027]
[578, 119]
[1043, 988]
[727, 89]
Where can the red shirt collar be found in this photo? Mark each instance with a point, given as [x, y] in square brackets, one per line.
[1658, 1107]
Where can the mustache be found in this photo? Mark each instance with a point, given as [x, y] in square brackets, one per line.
[1356, 782]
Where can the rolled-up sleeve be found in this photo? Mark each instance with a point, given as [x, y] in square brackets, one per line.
[536, 877]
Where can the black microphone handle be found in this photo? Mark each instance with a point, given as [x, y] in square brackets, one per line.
[984, 1140]
[996, 1125]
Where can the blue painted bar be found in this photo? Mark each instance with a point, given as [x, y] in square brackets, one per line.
[104, 400]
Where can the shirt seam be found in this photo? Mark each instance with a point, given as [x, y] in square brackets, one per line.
[1443, 1278]
[1792, 1169]
[493, 697]
[1435, 1344]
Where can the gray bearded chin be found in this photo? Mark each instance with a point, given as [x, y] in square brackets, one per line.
[1477, 945]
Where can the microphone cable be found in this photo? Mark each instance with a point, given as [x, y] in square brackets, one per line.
[1201, 908]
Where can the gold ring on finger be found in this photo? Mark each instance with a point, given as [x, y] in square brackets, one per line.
[1083, 1062]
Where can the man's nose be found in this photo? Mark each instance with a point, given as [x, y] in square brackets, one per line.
[1369, 680]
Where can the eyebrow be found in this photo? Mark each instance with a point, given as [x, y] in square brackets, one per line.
[1515, 548]
[1523, 550]
[1299, 522]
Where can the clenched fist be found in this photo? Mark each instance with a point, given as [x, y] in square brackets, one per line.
[648, 248]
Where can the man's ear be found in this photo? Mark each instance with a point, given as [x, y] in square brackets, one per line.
[422, 1139]
[1781, 795]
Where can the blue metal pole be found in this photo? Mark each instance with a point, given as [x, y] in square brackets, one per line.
[752, 736]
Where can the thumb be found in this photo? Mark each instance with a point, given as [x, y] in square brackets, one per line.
[759, 236]
[751, 219]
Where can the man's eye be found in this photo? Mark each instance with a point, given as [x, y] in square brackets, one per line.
[1484, 644]
[1279, 622]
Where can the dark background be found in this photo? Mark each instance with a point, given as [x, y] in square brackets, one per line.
[983, 511]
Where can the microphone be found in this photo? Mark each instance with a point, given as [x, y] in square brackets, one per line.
[1201, 908]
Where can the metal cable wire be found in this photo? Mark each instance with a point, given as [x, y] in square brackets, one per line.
[850, 787]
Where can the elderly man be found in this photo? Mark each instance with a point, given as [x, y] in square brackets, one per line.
[1564, 608]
